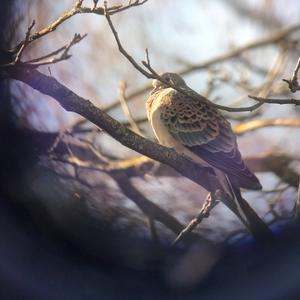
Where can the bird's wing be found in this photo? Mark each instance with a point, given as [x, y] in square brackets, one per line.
[201, 128]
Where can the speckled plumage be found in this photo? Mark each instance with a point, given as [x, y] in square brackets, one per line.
[194, 125]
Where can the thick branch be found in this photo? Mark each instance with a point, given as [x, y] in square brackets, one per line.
[72, 102]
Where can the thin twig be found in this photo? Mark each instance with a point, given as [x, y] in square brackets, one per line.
[152, 74]
[208, 205]
[53, 53]
[293, 83]
[77, 9]
[121, 49]
[76, 39]
[260, 42]
[24, 44]
[149, 208]
[126, 110]
[275, 101]
[64, 55]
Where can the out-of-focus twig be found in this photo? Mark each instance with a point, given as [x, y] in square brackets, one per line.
[260, 123]
[148, 207]
[126, 110]
[266, 87]
[262, 15]
[278, 163]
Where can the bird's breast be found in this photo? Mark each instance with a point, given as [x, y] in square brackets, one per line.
[160, 129]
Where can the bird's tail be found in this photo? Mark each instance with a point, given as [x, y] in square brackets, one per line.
[247, 215]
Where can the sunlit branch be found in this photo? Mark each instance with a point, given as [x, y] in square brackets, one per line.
[77, 9]
[262, 123]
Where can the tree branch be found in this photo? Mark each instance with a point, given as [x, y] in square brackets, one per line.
[260, 42]
[24, 44]
[148, 207]
[293, 83]
[77, 9]
[40, 61]
[72, 102]
[262, 100]
[208, 205]
[244, 127]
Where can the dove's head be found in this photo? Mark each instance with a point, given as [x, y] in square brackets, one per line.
[171, 78]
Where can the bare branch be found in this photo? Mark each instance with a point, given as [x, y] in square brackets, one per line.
[77, 9]
[239, 109]
[293, 83]
[261, 42]
[275, 101]
[121, 49]
[148, 207]
[154, 75]
[24, 44]
[64, 55]
[71, 102]
[208, 205]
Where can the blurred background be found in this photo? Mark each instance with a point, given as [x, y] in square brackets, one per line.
[72, 229]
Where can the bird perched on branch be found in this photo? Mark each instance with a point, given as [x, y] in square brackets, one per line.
[188, 122]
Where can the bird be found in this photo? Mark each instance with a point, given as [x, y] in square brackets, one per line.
[189, 123]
